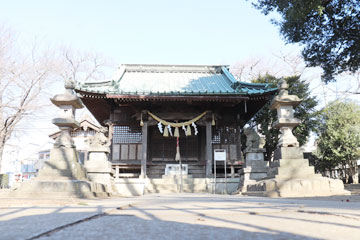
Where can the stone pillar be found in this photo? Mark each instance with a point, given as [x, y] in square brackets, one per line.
[209, 150]
[144, 149]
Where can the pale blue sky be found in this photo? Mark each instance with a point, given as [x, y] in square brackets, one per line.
[157, 31]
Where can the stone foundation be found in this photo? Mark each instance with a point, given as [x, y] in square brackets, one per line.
[61, 177]
[60, 189]
[256, 168]
[291, 176]
[63, 164]
[99, 168]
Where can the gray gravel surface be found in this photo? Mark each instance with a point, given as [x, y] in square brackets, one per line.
[183, 216]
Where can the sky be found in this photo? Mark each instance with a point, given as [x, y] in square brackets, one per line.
[157, 31]
[134, 31]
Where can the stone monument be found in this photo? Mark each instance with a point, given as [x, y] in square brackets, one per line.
[290, 174]
[255, 166]
[63, 175]
[98, 166]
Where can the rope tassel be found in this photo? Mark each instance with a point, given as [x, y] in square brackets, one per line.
[166, 132]
[188, 131]
[176, 132]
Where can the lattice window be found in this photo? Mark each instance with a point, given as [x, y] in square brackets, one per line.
[127, 134]
[225, 135]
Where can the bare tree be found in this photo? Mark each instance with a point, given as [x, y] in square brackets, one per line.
[350, 84]
[22, 80]
[26, 78]
[82, 66]
[281, 64]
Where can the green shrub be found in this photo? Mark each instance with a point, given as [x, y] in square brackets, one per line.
[4, 180]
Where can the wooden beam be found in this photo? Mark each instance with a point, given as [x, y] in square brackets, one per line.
[144, 148]
[185, 98]
[208, 152]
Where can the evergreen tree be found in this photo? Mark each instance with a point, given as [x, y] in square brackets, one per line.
[305, 111]
[339, 137]
[329, 30]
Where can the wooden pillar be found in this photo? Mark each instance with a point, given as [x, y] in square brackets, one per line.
[117, 171]
[209, 150]
[144, 148]
[238, 143]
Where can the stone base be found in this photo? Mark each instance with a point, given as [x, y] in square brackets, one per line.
[167, 184]
[176, 177]
[61, 177]
[223, 186]
[128, 187]
[256, 168]
[312, 187]
[99, 169]
[60, 189]
[62, 165]
[250, 175]
[291, 176]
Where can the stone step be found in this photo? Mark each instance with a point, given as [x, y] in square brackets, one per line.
[177, 181]
[62, 188]
[174, 188]
[154, 176]
[172, 176]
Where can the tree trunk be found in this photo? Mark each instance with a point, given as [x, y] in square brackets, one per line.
[268, 154]
[1, 155]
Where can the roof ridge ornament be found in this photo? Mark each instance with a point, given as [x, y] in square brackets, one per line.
[69, 85]
[283, 86]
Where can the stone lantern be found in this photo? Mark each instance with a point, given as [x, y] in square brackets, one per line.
[63, 157]
[284, 104]
[290, 174]
[63, 175]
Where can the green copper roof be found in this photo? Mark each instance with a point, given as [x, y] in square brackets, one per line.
[135, 79]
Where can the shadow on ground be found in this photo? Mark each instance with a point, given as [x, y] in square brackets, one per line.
[118, 226]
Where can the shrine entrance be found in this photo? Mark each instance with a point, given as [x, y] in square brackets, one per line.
[163, 149]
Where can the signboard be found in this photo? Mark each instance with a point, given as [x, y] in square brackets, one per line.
[220, 154]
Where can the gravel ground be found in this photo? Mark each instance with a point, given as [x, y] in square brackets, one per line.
[181, 216]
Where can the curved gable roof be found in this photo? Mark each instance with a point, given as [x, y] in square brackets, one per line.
[179, 80]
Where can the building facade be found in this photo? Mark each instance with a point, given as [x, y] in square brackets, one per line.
[153, 109]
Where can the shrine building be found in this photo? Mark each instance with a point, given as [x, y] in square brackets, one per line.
[150, 107]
